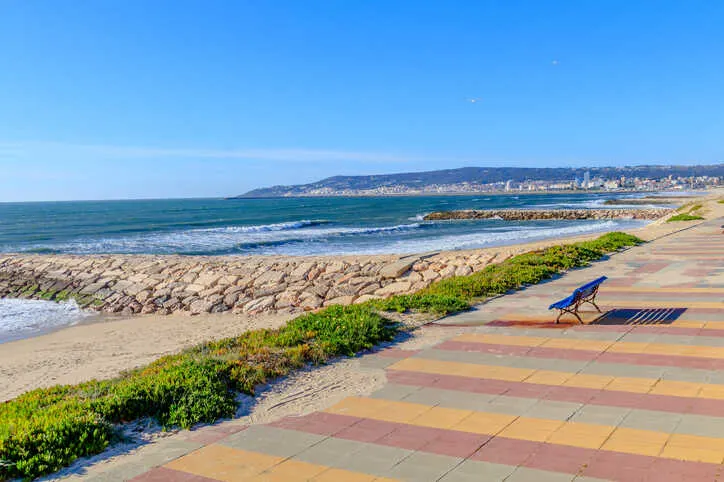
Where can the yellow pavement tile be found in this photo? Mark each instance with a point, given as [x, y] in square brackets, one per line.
[627, 384]
[662, 349]
[584, 435]
[440, 417]
[400, 412]
[676, 388]
[339, 475]
[696, 441]
[293, 470]
[699, 454]
[585, 380]
[711, 391]
[532, 429]
[224, 463]
[690, 324]
[633, 441]
[484, 423]
[360, 407]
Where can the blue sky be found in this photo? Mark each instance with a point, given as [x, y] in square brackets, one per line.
[175, 98]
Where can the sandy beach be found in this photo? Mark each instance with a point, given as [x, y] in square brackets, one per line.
[105, 348]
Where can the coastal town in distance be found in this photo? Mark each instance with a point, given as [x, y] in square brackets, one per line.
[500, 180]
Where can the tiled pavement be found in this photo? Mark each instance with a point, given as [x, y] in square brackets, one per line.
[636, 395]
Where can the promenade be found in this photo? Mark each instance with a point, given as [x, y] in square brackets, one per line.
[634, 395]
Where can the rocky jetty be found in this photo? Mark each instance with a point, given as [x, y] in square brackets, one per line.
[130, 284]
[552, 214]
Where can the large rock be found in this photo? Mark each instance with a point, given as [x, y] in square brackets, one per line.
[397, 269]
[394, 288]
[269, 277]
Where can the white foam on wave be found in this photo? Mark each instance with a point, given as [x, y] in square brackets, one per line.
[213, 240]
[489, 238]
[24, 318]
[264, 228]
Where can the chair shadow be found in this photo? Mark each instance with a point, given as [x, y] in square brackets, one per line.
[635, 316]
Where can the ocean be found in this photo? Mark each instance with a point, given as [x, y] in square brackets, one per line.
[294, 226]
[291, 226]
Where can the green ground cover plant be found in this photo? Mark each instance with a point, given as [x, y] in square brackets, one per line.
[687, 212]
[684, 217]
[47, 429]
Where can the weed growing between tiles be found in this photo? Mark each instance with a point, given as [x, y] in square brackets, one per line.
[46, 429]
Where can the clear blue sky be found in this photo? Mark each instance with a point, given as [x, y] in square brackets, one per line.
[174, 98]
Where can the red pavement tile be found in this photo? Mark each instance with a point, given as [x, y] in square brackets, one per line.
[569, 460]
[619, 466]
[703, 406]
[678, 470]
[506, 451]
[411, 378]
[484, 348]
[409, 437]
[162, 474]
[465, 384]
[528, 390]
[366, 430]
[318, 422]
[456, 444]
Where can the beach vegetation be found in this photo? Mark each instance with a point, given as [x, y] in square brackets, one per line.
[49, 428]
[684, 217]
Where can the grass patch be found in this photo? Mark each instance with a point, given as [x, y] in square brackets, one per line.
[47, 429]
[684, 217]
[721, 201]
[687, 212]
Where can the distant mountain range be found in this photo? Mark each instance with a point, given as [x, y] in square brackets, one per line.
[479, 175]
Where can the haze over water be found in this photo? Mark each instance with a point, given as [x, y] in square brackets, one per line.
[291, 226]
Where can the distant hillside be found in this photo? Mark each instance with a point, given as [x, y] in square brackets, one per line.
[482, 175]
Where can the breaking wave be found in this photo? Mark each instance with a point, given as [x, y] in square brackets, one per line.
[22, 318]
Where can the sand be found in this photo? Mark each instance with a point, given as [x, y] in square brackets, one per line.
[104, 349]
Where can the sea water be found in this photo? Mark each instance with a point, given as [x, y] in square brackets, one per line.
[290, 226]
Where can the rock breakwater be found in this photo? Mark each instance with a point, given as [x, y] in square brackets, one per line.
[551, 214]
[132, 284]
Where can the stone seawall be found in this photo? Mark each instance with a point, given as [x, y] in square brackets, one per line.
[131, 284]
[552, 214]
